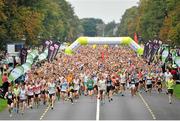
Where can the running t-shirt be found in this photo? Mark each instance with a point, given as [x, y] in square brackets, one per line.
[167, 76]
[30, 90]
[16, 91]
[22, 94]
[51, 88]
[85, 79]
[37, 89]
[71, 86]
[76, 84]
[170, 84]
[149, 81]
[102, 84]
[90, 83]
[64, 86]
[95, 80]
[123, 78]
[10, 96]
[109, 83]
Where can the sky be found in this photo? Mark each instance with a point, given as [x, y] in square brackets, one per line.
[107, 10]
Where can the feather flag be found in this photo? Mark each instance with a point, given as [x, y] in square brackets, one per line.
[135, 38]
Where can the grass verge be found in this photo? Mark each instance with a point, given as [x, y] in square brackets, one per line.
[177, 91]
[3, 104]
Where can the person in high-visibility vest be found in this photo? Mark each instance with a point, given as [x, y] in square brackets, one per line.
[170, 83]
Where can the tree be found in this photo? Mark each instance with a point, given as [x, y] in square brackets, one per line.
[152, 18]
[90, 26]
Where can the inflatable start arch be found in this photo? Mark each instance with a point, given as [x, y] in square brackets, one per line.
[103, 41]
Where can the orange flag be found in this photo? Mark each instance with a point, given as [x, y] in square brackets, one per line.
[135, 38]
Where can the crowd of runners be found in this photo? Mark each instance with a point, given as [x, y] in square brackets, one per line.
[100, 73]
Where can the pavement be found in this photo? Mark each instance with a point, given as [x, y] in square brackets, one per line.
[140, 107]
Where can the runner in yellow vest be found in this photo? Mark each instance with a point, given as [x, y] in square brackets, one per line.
[170, 86]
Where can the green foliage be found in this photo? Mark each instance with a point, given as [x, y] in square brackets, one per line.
[151, 18]
[109, 29]
[127, 26]
[31, 18]
[91, 26]
[177, 91]
[3, 104]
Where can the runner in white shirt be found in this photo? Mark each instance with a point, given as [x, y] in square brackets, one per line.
[30, 93]
[37, 92]
[23, 98]
[51, 91]
[167, 75]
[123, 82]
[76, 88]
[102, 88]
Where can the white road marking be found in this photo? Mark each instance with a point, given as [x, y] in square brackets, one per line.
[147, 106]
[97, 110]
[46, 110]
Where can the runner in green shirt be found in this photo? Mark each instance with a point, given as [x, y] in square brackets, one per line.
[90, 84]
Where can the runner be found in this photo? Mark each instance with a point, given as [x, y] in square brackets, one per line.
[102, 88]
[43, 91]
[10, 98]
[16, 98]
[123, 82]
[170, 87]
[37, 92]
[90, 84]
[109, 88]
[23, 98]
[76, 88]
[71, 92]
[30, 94]
[95, 87]
[132, 85]
[149, 83]
[64, 88]
[51, 92]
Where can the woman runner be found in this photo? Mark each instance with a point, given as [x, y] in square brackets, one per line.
[51, 92]
[10, 98]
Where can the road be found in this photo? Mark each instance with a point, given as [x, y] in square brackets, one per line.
[141, 107]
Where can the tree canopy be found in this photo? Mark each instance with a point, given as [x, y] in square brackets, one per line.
[92, 26]
[153, 18]
[37, 20]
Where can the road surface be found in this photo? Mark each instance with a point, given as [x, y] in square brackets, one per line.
[140, 107]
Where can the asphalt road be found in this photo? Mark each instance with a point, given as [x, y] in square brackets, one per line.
[141, 107]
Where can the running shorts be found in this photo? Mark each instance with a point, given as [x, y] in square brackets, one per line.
[72, 90]
[50, 95]
[149, 86]
[9, 102]
[159, 83]
[109, 88]
[170, 91]
[30, 97]
[117, 84]
[43, 92]
[63, 91]
[90, 88]
[123, 84]
[36, 95]
[136, 84]
[101, 92]
[22, 100]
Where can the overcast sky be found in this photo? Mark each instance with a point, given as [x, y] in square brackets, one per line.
[107, 10]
